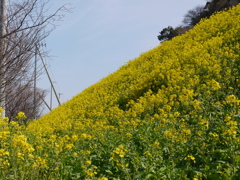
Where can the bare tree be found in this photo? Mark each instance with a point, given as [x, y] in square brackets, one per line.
[20, 99]
[28, 22]
[194, 16]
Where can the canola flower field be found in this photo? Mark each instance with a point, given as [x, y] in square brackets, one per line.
[172, 113]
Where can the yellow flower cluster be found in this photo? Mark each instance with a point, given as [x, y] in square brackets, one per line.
[119, 151]
[190, 158]
[4, 163]
[232, 127]
[40, 163]
[21, 115]
[19, 142]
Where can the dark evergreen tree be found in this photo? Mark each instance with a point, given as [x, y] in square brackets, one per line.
[167, 33]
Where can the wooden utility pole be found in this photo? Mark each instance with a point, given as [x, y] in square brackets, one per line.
[3, 26]
[49, 77]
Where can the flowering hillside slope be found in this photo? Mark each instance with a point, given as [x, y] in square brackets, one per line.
[172, 113]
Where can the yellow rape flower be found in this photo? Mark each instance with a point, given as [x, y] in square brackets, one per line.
[232, 99]
[4, 153]
[31, 156]
[129, 135]
[4, 135]
[213, 135]
[176, 114]
[88, 163]
[74, 138]
[21, 115]
[190, 157]
[40, 163]
[1, 110]
[20, 156]
[147, 153]
[186, 131]
[69, 147]
[20, 142]
[91, 172]
[155, 144]
[119, 151]
[227, 118]
[214, 84]
[103, 178]
[86, 136]
[196, 104]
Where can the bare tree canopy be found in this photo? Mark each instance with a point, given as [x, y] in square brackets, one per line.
[26, 24]
[194, 16]
[21, 98]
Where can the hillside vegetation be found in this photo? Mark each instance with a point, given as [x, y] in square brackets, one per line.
[172, 113]
[194, 16]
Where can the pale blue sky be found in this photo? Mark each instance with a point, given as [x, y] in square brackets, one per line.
[102, 35]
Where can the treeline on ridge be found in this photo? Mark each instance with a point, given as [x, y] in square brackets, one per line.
[194, 16]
